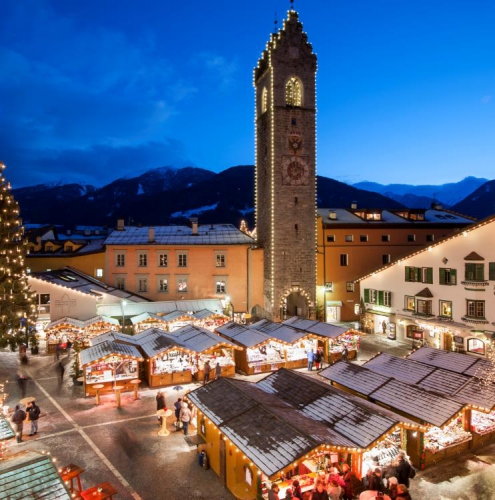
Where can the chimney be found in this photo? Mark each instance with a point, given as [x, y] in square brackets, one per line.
[354, 205]
[332, 215]
[151, 234]
[120, 224]
[194, 225]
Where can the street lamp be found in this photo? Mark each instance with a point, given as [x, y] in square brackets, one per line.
[122, 304]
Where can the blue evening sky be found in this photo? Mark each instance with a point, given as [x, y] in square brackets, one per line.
[94, 90]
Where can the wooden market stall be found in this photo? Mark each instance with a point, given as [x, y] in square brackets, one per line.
[99, 324]
[445, 420]
[177, 319]
[261, 352]
[299, 342]
[336, 337]
[209, 319]
[208, 346]
[60, 331]
[287, 426]
[147, 320]
[109, 363]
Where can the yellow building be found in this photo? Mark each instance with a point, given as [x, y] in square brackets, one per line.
[356, 241]
[170, 263]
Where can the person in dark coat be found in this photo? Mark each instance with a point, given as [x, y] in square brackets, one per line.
[207, 370]
[61, 371]
[218, 371]
[345, 353]
[17, 419]
[178, 407]
[403, 469]
[349, 479]
[320, 491]
[296, 490]
[375, 481]
[160, 403]
[34, 414]
[22, 381]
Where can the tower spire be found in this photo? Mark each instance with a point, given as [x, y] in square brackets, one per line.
[291, 4]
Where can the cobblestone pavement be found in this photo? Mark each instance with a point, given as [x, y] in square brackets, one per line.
[122, 445]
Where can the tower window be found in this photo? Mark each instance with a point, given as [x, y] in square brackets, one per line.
[293, 122]
[293, 92]
[264, 100]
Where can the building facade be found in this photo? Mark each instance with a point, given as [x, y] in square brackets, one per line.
[285, 187]
[353, 242]
[441, 296]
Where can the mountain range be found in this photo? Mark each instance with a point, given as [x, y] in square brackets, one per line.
[167, 195]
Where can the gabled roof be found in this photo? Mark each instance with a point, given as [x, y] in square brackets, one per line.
[177, 315]
[426, 406]
[200, 339]
[425, 293]
[65, 321]
[206, 313]
[106, 349]
[31, 475]
[154, 341]
[280, 331]
[246, 337]
[328, 330]
[453, 361]
[146, 317]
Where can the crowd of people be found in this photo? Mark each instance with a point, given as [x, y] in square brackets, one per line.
[343, 484]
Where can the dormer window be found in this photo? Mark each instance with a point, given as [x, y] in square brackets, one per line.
[293, 92]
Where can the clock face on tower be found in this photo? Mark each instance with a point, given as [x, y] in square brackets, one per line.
[295, 170]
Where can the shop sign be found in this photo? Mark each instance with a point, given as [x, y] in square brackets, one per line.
[458, 339]
[417, 335]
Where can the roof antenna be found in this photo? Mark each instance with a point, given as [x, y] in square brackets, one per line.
[275, 22]
[292, 5]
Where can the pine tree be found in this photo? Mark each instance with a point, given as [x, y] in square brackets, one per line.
[17, 308]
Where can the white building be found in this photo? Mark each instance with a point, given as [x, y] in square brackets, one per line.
[442, 295]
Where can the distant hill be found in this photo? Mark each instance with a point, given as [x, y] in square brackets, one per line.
[479, 204]
[170, 196]
[422, 196]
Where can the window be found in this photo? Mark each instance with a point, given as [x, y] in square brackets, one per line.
[447, 276]
[49, 248]
[331, 238]
[363, 238]
[264, 100]
[445, 309]
[43, 301]
[344, 259]
[163, 284]
[69, 248]
[474, 272]
[120, 283]
[370, 295]
[430, 238]
[142, 260]
[293, 92]
[349, 238]
[423, 306]
[99, 273]
[386, 258]
[349, 286]
[491, 271]
[475, 309]
[419, 274]
[120, 260]
[476, 346]
[409, 303]
[384, 298]
[411, 237]
[329, 286]
[385, 237]
[220, 286]
[142, 284]
[182, 260]
[182, 284]
[163, 260]
[220, 260]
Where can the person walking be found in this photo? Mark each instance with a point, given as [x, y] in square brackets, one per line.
[22, 381]
[17, 419]
[33, 411]
[218, 371]
[177, 406]
[345, 353]
[317, 359]
[207, 370]
[61, 371]
[311, 359]
[160, 403]
[403, 469]
[185, 417]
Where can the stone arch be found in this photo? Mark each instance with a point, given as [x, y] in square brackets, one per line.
[295, 302]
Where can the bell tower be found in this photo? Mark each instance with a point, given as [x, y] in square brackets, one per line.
[285, 122]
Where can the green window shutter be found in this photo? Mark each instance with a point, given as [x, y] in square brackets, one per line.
[453, 276]
[441, 276]
[480, 272]
[469, 274]
[491, 271]
[366, 294]
[380, 297]
[429, 275]
[407, 270]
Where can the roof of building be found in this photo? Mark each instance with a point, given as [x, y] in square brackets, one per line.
[200, 339]
[244, 336]
[153, 341]
[106, 349]
[74, 279]
[206, 313]
[426, 406]
[31, 475]
[328, 330]
[6, 431]
[207, 234]
[280, 331]
[146, 316]
[431, 217]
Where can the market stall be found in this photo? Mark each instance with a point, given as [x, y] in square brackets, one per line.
[335, 337]
[271, 431]
[109, 363]
[445, 420]
[61, 331]
[99, 324]
[209, 319]
[260, 352]
[208, 346]
[177, 319]
[146, 320]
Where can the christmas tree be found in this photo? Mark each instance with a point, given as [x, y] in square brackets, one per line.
[17, 308]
